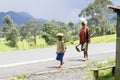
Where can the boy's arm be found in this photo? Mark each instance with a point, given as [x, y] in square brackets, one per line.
[88, 35]
[64, 47]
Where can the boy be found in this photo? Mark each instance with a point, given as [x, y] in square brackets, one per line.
[61, 49]
[84, 36]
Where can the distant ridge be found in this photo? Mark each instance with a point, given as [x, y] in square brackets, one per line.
[19, 17]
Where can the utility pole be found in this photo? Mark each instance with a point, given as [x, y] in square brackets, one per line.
[117, 66]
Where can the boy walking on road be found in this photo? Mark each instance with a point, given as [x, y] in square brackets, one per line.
[84, 36]
[61, 49]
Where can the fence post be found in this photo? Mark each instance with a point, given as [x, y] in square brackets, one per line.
[117, 69]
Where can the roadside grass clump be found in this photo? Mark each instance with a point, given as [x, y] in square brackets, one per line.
[106, 74]
[103, 39]
[106, 63]
[20, 77]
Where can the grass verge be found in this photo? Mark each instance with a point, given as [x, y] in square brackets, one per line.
[100, 39]
[41, 43]
[104, 74]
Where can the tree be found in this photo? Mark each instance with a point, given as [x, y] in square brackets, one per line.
[23, 32]
[10, 31]
[72, 28]
[12, 38]
[71, 25]
[32, 28]
[49, 31]
[97, 14]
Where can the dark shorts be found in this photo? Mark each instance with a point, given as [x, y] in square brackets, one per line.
[59, 56]
[84, 46]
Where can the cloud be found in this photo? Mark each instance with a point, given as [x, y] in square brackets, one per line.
[60, 10]
[116, 2]
[79, 4]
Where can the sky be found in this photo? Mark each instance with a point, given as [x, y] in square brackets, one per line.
[59, 10]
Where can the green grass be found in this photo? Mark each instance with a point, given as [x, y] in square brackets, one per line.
[107, 73]
[22, 45]
[19, 77]
[41, 43]
[100, 39]
[105, 64]
[4, 47]
[106, 38]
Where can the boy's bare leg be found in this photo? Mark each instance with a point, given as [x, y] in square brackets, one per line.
[61, 63]
[86, 55]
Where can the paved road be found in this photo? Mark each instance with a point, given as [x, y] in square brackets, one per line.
[11, 63]
[46, 54]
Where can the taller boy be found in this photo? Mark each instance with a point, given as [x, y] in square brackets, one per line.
[84, 36]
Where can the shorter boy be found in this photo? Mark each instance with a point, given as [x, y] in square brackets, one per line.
[61, 48]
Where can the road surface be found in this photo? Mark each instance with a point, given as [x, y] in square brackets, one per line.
[45, 54]
[35, 60]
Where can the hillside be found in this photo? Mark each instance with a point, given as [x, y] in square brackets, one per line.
[18, 17]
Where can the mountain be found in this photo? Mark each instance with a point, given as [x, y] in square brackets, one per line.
[19, 18]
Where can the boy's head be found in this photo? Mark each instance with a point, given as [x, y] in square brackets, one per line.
[60, 36]
[83, 21]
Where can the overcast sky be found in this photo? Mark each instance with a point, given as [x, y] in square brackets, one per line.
[60, 10]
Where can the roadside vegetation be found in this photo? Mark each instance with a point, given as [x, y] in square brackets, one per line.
[40, 43]
[99, 39]
[103, 74]
[106, 74]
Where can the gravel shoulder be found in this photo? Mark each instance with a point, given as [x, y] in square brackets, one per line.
[76, 73]
[76, 70]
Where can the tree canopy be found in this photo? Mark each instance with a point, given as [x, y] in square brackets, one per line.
[98, 16]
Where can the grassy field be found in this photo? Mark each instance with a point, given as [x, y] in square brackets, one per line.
[100, 39]
[22, 45]
[41, 43]
[106, 38]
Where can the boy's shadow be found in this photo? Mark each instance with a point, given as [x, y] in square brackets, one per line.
[54, 67]
[77, 60]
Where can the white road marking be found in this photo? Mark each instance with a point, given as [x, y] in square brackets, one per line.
[28, 62]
